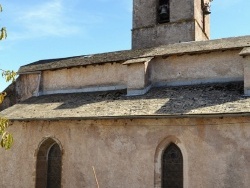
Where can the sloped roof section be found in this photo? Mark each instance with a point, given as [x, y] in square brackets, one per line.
[122, 56]
[172, 101]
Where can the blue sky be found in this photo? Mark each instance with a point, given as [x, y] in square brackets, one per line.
[62, 28]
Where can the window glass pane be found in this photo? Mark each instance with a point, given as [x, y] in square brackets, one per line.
[172, 167]
[54, 167]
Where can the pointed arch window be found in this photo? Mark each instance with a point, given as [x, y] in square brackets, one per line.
[49, 165]
[172, 167]
[54, 167]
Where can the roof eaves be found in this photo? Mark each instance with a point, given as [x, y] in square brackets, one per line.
[212, 115]
[194, 47]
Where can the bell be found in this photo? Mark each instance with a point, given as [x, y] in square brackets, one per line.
[206, 9]
[163, 12]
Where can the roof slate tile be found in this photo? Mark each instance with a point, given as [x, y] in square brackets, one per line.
[196, 99]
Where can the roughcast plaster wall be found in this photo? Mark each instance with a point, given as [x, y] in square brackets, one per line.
[198, 68]
[110, 74]
[216, 151]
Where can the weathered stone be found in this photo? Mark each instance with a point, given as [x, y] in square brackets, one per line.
[177, 101]
[123, 137]
[123, 151]
[245, 53]
[187, 23]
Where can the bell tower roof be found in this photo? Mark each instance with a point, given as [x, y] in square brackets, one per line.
[159, 22]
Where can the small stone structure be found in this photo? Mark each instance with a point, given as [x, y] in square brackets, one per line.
[175, 97]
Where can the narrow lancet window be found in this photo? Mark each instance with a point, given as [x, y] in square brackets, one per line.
[49, 165]
[172, 167]
[163, 11]
[54, 167]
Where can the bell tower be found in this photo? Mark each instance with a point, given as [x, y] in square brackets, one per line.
[159, 22]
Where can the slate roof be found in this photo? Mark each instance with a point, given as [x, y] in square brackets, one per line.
[165, 101]
[122, 56]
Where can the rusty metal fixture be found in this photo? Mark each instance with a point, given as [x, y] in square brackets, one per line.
[206, 9]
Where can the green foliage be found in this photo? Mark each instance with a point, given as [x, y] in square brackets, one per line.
[2, 95]
[6, 139]
[3, 33]
[9, 75]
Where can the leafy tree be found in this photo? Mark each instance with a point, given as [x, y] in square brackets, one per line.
[6, 139]
[3, 33]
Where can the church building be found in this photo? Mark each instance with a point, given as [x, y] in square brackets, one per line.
[172, 112]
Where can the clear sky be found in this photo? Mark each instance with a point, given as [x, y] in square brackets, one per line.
[62, 28]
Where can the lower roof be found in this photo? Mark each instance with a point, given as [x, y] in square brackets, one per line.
[224, 98]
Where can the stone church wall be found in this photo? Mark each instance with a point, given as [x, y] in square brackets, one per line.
[199, 68]
[123, 151]
[185, 21]
[106, 75]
